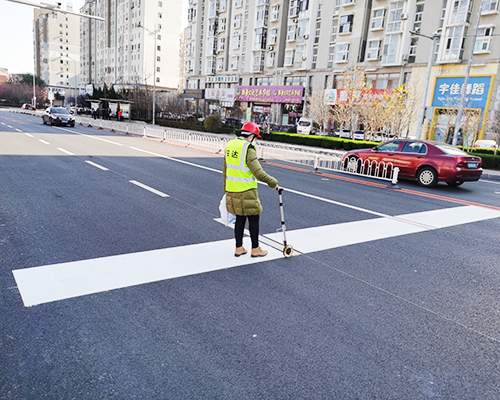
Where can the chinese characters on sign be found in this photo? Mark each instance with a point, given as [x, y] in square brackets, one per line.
[339, 96]
[270, 94]
[448, 91]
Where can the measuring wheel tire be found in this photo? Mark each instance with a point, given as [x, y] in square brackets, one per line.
[288, 251]
[427, 177]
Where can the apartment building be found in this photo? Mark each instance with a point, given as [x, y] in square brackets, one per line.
[242, 45]
[57, 51]
[138, 44]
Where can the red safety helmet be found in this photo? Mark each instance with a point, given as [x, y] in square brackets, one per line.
[251, 128]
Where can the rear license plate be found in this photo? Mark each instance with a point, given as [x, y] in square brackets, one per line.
[471, 165]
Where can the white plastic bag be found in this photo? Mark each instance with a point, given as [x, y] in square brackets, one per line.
[226, 217]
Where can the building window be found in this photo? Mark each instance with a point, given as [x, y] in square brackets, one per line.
[221, 44]
[260, 39]
[275, 13]
[299, 56]
[342, 54]
[419, 12]
[234, 62]
[454, 43]
[335, 29]
[220, 64]
[378, 20]
[289, 57]
[239, 3]
[159, 15]
[290, 37]
[331, 56]
[461, 10]
[262, 15]
[483, 40]
[236, 41]
[395, 23]
[489, 5]
[237, 21]
[413, 49]
[391, 46]
[382, 81]
[373, 50]
[222, 24]
[314, 58]
[273, 36]
[258, 61]
[346, 24]
[348, 2]
[271, 59]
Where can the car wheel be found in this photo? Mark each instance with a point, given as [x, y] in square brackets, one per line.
[72, 125]
[352, 164]
[454, 183]
[50, 122]
[427, 177]
[43, 120]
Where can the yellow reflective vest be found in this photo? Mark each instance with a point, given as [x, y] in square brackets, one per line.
[239, 178]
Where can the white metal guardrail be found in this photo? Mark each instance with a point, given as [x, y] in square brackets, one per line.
[323, 159]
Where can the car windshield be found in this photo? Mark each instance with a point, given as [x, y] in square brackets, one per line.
[304, 123]
[451, 150]
[60, 111]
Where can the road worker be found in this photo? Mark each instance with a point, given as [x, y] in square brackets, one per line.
[241, 172]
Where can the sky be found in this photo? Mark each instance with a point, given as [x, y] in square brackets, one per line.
[16, 33]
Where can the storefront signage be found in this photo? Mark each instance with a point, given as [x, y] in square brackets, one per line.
[262, 109]
[220, 94]
[448, 91]
[222, 79]
[270, 94]
[339, 96]
[193, 93]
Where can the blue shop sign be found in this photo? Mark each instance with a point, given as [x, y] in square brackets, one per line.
[448, 91]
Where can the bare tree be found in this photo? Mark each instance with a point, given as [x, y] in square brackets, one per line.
[493, 127]
[317, 109]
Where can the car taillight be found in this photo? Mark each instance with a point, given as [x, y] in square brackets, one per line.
[460, 161]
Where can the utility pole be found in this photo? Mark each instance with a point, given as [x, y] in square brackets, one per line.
[427, 80]
[458, 121]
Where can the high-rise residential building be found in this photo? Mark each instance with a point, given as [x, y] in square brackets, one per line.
[240, 46]
[57, 51]
[138, 43]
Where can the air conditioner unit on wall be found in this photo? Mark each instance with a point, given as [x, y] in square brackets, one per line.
[294, 20]
[405, 57]
[270, 48]
[404, 16]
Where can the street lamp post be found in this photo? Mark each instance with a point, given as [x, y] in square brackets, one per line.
[427, 80]
[458, 121]
[153, 33]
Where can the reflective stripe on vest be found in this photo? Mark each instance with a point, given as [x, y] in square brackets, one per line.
[239, 178]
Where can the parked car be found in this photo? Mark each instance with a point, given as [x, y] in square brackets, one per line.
[307, 126]
[486, 144]
[425, 161]
[232, 122]
[28, 106]
[58, 116]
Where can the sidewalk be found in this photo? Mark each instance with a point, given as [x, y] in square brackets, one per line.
[491, 174]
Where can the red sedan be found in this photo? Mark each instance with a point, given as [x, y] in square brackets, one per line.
[425, 161]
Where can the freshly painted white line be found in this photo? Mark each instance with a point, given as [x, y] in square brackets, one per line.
[66, 151]
[97, 165]
[19, 130]
[43, 141]
[49, 283]
[10, 126]
[3, 123]
[497, 192]
[27, 134]
[142, 185]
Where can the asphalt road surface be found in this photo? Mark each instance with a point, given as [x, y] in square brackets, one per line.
[117, 280]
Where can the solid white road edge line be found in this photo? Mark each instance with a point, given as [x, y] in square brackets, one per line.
[66, 151]
[50, 283]
[142, 185]
[92, 137]
[96, 165]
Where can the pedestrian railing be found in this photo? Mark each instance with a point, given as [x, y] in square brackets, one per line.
[323, 159]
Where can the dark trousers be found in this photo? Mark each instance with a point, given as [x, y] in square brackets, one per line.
[253, 227]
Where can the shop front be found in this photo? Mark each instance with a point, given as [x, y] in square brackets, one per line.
[445, 92]
[271, 104]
